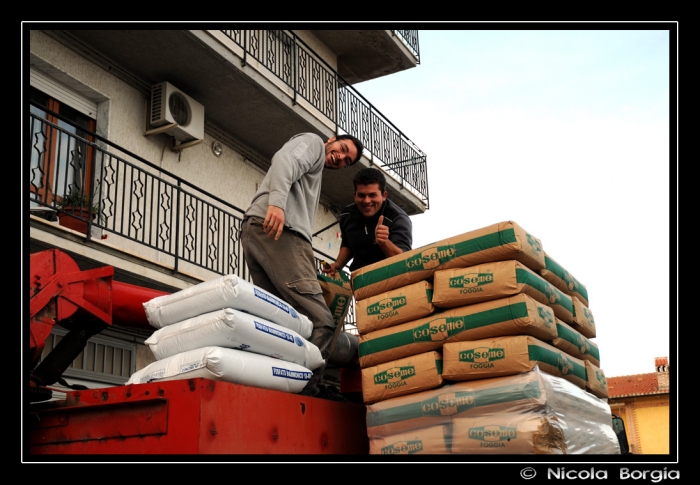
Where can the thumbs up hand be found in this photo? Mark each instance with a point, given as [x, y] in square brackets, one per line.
[381, 232]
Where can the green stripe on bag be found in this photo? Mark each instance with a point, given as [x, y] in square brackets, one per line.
[343, 281]
[578, 340]
[556, 359]
[453, 325]
[555, 268]
[550, 292]
[441, 253]
[439, 406]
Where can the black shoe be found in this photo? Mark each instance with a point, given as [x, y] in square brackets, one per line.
[330, 393]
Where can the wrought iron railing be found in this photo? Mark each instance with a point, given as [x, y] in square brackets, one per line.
[288, 58]
[410, 38]
[122, 193]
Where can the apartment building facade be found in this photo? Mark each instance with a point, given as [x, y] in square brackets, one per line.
[165, 136]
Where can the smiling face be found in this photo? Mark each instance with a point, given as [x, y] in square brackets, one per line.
[340, 153]
[369, 199]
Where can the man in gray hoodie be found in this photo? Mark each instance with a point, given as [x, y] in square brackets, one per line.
[277, 230]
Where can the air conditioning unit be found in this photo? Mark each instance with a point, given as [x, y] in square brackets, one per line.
[170, 106]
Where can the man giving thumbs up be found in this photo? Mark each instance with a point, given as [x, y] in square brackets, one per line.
[373, 228]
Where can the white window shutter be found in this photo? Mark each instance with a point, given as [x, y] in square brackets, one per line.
[62, 93]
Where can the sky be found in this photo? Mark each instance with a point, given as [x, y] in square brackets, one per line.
[567, 133]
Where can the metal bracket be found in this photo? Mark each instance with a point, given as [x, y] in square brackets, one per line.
[182, 146]
[164, 128]
[160, 129]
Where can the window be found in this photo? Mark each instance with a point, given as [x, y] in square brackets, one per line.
[60, 159]
[104, 359]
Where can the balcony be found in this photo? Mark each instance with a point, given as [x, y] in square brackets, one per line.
[369, 54]
[141, 208]
[260, 87]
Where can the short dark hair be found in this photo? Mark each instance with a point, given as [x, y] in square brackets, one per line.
[358, 144]
[368, 176]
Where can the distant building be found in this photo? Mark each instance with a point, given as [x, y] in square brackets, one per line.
[642, 401]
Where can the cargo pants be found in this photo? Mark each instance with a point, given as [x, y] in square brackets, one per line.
[285, 268]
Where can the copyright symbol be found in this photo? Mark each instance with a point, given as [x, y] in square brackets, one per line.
[528, 473]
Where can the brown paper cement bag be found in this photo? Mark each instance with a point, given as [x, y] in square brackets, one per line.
[508, 433]
[503, 356]
[422, 441]
[497, 242]
[596, 383]
[562, 279]
[574, 343]
[490, 281]
[582, 319]
[393, 307]
[512, 394]
[403, 376]
[337, 294]
[515, 315]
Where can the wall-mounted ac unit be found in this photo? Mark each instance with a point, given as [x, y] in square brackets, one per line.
[170, 106]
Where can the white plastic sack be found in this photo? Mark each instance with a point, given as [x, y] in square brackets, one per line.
[228, 291]
[228, 365]
[235, 329]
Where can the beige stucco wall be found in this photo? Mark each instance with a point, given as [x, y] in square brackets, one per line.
[647, 422]
[122, 117]
[653, 427]
[227, 176]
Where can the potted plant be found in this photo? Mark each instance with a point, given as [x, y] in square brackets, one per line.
[76, 207]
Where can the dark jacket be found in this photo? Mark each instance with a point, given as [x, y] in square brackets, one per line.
[358, 232]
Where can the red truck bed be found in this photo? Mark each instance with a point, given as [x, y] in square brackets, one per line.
[195, 416]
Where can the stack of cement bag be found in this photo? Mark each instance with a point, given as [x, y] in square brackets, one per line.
[230, 330]
[527, 413]
[479, 306]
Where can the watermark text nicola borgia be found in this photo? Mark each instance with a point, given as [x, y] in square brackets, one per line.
[654, 476]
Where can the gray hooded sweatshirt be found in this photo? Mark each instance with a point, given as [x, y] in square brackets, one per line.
[293, 183]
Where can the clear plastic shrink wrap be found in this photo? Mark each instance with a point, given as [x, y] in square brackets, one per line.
[528, 413]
